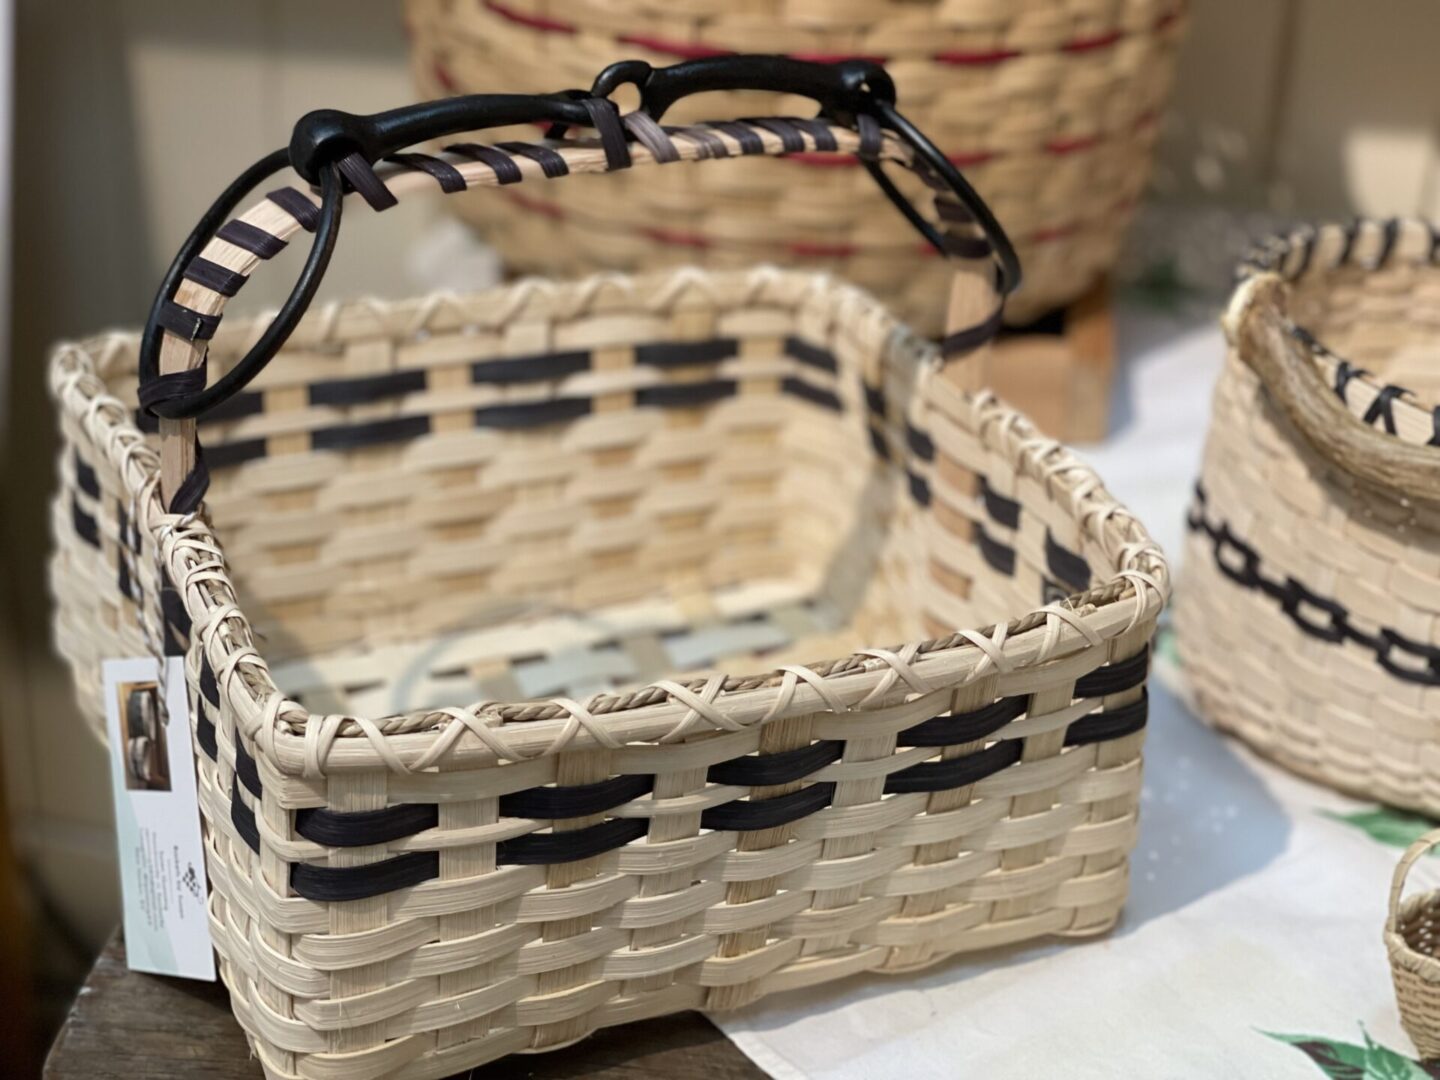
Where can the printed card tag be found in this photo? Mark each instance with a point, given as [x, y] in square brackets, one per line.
[157, 820]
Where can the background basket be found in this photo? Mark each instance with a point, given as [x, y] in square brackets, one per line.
[1311, 617]
[1412, 939]
[544, 501]
[1051, 109]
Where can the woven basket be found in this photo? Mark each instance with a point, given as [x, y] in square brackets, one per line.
[1412, 938]
[544, 501]
[1052, 109]
[1311, 617]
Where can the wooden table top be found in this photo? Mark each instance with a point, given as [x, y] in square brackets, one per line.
[125, 1024]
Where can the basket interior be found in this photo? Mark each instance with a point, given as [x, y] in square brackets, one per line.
[569, 491]
[1384, 318]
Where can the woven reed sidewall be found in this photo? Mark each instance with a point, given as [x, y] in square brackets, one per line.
[1410, 942]
[1051, 110]
[1310, 618]
[544, 502]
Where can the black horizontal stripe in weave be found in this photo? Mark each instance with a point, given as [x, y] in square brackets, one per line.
[205, 735]
[361, 828]
[367, 389]
[530, 368]
[954, 772]
[243, 818]
[177, 620]
[85, 526]
[964, 727]
[1002, 510]
[1315, 615]
[370, 433]
[686, 394]
[327, 884]
[1065, 565]
[252, 239]
[1113, 723]
[782, 767]
[576, 800]
[85, 478]
[530, 414]
[920, 443]
[745, 815]
[247, 772]
[667, 354]
[225, 455]
[875, 399]
[811, 355]
[1114, 678]
[815, 395]
[999, 557]
[919, 488]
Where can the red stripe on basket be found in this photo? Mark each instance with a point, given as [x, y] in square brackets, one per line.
[444, 78]
[543, 207]
[834, 58]
[676, 237]
[978, 58]
[1069, 145]
[685, 50]
[534, 22]
[1099, 41]
[810, 249]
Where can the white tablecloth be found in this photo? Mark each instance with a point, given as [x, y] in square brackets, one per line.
[1251, 942]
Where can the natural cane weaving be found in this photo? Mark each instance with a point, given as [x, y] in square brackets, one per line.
[501, 624]
[1310, 623]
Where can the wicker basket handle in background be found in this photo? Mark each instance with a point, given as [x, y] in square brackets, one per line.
[1259, 329]
[337, 152]
[1423, 846]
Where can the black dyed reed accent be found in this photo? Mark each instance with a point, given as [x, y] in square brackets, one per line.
[811, 355]
[577, 800]
[919, 488]
[748, 138]
[1390, 232]
[667, 354]
[964, 727]
[205, 735]
[871, 138]
[919, 442]
[1066, 566]
[746, 815]
[605, 119]
[530, 368]
[790, 137]
[685, 394]
[875, 399]
[177, 621]
[174, 385]
[1344, 370]
[966, 246]
[446, 175]
[186, 323]
[247, 771]
[85, 478]
[972, 337]
[249, 238]
[305, 212]
[530, 414]
[245, 403]
[571, 845]
[1000, 557]
[551, 162]
[708, 143]
[1113, 723]
[362, 828]
[784, 767]
[956, 772]
[820, 134]
[1113, 678]
[85, 526]
[213, 276]
[367, 184]
[367, 389]
[243, 818]
[879, 444]
[1435, 426]
[122, 578]
[816, 395]
[224, 455]
[501, 163]
[1238, 561]
[1382, 408]
[327, 884]
[1002, 511]
[371, 433]
[209, 688]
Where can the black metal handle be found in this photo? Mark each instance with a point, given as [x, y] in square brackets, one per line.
[843, 89]
[846, 91]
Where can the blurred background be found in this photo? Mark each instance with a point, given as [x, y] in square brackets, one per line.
[123, 118]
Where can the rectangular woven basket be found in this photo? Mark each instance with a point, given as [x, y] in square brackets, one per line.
[458, 803]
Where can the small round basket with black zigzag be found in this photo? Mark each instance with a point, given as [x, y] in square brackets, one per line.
[1310, 617]
[460, 584]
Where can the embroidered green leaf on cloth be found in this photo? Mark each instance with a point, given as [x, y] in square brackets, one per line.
[1351, 1061]
[1386, 826]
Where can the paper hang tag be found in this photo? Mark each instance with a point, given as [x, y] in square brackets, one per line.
[157, 819]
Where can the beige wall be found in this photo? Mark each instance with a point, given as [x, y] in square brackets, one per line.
[132, 113]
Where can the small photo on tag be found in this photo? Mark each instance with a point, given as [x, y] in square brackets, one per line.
[147, 756]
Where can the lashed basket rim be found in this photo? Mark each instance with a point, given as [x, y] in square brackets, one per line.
[297, 741]
[1372, 244]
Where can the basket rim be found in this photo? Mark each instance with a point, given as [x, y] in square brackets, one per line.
[297, 742]
[1309, 252]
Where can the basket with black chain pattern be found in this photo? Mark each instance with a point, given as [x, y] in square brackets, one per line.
[1310, 622]
[437, 567]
